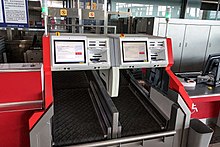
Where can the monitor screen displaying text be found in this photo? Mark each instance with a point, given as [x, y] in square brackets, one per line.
[134, 51]
[69, 51]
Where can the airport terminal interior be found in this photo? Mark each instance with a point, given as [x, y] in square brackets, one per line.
[109, 73]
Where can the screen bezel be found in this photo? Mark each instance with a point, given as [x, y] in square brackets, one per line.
[84, 45]
[134, 42]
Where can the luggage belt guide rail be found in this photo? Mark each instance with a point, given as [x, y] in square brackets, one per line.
[126, 140]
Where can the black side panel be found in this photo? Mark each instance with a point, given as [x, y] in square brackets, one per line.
[173, 118]
[158, 78]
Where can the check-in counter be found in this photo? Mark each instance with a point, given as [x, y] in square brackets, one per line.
[205, 98]
[21, 93]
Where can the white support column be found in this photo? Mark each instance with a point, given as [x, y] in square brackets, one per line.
[45, 14]
[105, 17]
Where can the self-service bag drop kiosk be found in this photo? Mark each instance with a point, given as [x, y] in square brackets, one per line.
[97, 102]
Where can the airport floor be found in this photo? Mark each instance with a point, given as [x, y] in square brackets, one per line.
[215, 145]
[215, 142]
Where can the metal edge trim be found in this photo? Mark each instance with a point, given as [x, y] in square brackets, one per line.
[16, 104]
[204, 96]
[126, 139]
[20, 70]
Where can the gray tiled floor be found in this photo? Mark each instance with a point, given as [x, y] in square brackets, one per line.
[215, 142]
[215, 145]
[216, 135]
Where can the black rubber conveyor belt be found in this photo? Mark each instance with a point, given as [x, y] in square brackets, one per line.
[70, 80]
[75, 120]
[134, 118]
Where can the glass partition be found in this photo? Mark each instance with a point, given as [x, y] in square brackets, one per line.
[149, 8]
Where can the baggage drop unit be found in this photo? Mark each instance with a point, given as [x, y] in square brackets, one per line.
[92, 99]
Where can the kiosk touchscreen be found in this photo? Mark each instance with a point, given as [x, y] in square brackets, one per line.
[69, 51]
[138, 51]
[134, 51]
[79, 52]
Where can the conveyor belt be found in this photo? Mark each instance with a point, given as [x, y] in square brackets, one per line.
[123, 80]
[75, 120]
[134, 118]
[70, 80]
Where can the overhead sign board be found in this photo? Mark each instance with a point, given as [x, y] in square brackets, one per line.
[14, 13]
[63, 12]
[91, 14]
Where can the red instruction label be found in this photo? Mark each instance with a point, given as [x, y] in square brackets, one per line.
[78, 53]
